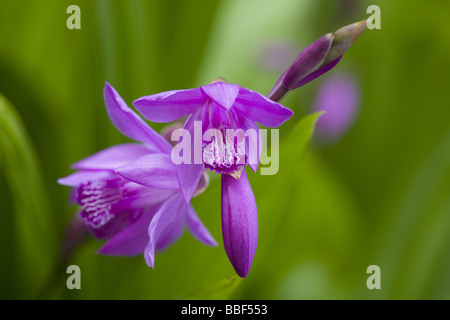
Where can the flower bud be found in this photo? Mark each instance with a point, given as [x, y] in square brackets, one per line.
[344, 39]
[318, 58]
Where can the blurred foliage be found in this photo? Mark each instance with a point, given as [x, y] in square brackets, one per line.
[379, 196]
[217, 290]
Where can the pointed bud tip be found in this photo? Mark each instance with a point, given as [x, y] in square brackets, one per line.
[344, 39]
[219, 79]
[352, 31]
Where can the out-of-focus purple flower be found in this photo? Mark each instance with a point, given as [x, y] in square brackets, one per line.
[338, 96]
[135, 218]
[318, 58]
[221, 106]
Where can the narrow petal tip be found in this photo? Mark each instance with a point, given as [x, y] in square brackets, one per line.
[344, 39]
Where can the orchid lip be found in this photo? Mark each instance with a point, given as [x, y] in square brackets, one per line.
[97, 199]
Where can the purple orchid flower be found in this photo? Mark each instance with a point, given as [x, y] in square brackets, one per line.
[135, 218]
[338, 96]
[220, 106]
[318, 58]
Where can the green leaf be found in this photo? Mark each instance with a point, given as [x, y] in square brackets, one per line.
[34, 235]
[217, 290]
[300, 137]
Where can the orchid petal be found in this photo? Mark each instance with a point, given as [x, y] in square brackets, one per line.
[137, 196]
[79, 177]
[132, 240]
[261, 109]
[170, 105]
[198, 229]
[153, 170]
[113, 157]
[115, 225]
[189, 174]
[162, 227]
[109, 206]
[239, 222]
[129, 123]
[172, 232]
[224, 94]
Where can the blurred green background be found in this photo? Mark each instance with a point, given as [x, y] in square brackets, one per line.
[378, 196]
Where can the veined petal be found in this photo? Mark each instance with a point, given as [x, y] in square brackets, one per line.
[153, 170]
[197, 228]
[189, 174]
[129, 123]
[170, 105]
[224, 94]
[132, 240]
[261, 109]
[139, 196]
[113, 157]
[115, 225]
[239, 222]
[163, 225]
[79, 177]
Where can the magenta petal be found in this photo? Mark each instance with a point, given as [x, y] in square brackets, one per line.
[172, 232]
[189, 174]
[171, 105]
[153, 170]
[115, 225]
[113, 157]
[224, 94]
[198, 229]
[129, 123]
[261, 109]
[163, 227]
[133, 239]
[239, 222]
[79, 177]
